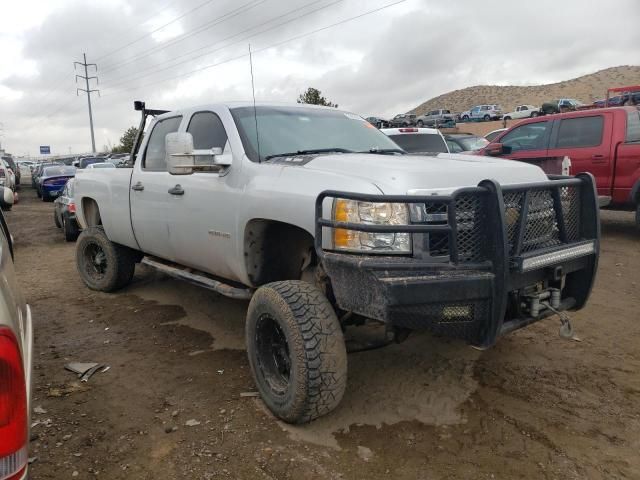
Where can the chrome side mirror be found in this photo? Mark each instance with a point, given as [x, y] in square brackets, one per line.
[179, 153]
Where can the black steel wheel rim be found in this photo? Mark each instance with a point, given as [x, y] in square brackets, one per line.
[95, 261]
[273, 358]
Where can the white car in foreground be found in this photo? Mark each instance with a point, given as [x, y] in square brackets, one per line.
[16, 340]
[418, 140]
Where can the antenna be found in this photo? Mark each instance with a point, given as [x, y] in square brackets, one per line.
[255, 114]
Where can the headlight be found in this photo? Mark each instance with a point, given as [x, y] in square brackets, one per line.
[370, 213]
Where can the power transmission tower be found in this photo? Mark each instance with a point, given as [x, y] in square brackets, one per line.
[88, 92]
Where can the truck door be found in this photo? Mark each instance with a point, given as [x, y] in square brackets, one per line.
[586, 140]
[149, 195]
[202, 219]
[528, 143]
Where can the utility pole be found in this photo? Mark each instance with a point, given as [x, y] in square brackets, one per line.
[88, 91]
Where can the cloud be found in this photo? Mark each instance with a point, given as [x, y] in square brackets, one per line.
[383, 63]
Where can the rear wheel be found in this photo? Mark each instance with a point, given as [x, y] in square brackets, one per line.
[638, 216]
[70, 229]
[465, 118]
[534, 114]
[296, 350]
[103, 265]
[487, 118]
[507, 117]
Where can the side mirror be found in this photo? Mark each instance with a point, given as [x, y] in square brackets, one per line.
[179, 153]
[494, 149]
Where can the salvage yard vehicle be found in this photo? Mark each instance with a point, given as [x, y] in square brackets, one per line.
[464, 142]
[16, 347]
[604, 142]
[402, 120]
[7, 186]
[323, 222]
[560, 105]
[378, 122]
[522, 111]
[8, 159]
[482, 112]
[64, 213]
[418, 140]
[52, 180]
[436, 118]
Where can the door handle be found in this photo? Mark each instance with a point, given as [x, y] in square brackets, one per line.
[598, 158]
[177, 190]
[138, 187]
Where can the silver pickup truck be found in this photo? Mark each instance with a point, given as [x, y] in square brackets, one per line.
[323, 222]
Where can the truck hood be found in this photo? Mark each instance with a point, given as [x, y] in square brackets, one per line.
[426, 174]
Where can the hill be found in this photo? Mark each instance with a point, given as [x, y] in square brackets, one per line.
[586, 89]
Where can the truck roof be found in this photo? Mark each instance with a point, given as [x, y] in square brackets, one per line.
[239, 104]
[579, 113]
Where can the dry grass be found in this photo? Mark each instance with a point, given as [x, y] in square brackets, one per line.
[586, 89]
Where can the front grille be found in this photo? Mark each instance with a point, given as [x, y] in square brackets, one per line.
[471, 220]
[542, 228]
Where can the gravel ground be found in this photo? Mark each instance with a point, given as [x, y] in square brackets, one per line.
[535, 406]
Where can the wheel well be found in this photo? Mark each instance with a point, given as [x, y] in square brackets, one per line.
[276, 251]
[91, 212]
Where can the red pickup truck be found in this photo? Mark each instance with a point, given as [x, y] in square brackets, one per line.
[604, 142]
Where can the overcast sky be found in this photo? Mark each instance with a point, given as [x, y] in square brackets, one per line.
[189, 52]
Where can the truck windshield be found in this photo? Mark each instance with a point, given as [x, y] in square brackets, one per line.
[291, 129]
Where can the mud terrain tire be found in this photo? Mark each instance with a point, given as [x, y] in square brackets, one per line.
[103, 265]
[296, 350]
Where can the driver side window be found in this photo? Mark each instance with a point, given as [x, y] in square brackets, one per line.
[526, 137]
[208, 132]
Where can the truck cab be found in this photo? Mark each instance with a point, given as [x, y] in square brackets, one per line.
[604, 142]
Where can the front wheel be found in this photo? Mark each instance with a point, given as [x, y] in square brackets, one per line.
[507, 117]
[465, 118]
[638, 216]
[420, 124]
[103, 265]
[296, 350]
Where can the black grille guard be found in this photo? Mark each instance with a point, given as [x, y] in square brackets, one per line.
[540, 219]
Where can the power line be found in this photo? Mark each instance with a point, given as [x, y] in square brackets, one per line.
[153, 68]
[158, 12]
[273, 45]
[158, 29]
[181, 38]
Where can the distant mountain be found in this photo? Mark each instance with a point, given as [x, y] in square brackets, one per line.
[586, 89]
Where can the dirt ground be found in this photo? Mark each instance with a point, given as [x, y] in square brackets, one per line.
[533, 407]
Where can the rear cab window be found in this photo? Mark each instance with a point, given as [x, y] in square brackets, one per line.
[580, 132]
[420, 143]
[633, 126]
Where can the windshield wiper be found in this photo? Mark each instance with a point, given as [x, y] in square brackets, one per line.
[309, 152]
[384, 151]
